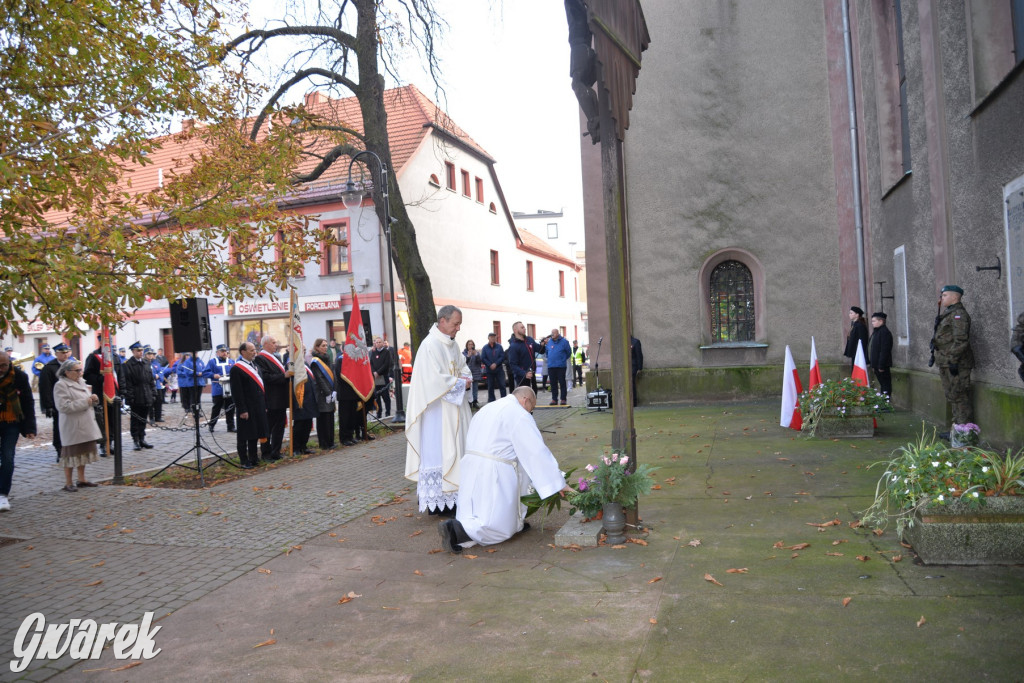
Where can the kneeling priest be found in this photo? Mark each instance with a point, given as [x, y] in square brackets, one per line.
[505, 454]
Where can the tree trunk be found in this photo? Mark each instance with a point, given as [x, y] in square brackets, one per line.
[411, 273]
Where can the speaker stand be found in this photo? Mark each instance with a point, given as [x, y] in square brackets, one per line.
[198, 448]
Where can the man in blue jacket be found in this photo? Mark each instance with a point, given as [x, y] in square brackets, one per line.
[493, 358]
[558, 352]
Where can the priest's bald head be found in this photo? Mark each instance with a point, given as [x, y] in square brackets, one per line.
[526, 397]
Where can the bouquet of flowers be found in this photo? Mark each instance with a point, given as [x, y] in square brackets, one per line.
[841, 398]
[967, 434]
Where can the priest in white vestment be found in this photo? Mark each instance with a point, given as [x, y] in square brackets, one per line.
[437, 416]
[505, 455]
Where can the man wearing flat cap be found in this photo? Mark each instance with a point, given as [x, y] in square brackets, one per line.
[139, 391]
[953, 352]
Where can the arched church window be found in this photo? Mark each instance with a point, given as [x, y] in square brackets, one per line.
[732, 303]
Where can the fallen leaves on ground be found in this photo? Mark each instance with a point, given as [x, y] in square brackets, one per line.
[94, 583]
[471, 557]
[416, 533]
[897, 558]
[921, 621]
[834, 554]
[349, 597]
[863, 558]
[264, 570]
[656, 487]
[840, 540]
[418, 572]
[638, 541]
[655, 579]
[855, 524]
[694, 543]
[653, 620]
[742, 570]
[834, 522]
[846, 601]
[272, 641]
[711, 579]
[798, 546]
[130, 665]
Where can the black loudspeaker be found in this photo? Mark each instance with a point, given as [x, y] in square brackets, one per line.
[190, 325]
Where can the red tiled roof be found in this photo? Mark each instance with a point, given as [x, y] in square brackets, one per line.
[532, 243]
[411, 116]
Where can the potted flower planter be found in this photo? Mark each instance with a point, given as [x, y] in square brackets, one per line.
[956, 534]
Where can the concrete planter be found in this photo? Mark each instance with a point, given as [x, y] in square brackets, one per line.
[844, 427]
[954, 534]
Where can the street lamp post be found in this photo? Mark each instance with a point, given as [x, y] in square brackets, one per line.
[352, 196]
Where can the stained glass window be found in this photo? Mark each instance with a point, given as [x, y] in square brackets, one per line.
[732, 303]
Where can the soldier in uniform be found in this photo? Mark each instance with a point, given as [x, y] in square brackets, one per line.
[1017, 345]
[953, 352]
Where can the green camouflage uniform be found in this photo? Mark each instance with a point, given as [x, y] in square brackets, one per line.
[955, 359]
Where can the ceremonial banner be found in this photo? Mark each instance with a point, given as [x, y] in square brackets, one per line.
[296, 350]
[791, 390]
[107, 368]
[355, 364]
[815, 377]
[860, 368]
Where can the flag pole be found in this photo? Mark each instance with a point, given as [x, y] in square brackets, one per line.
[291, 381]
[105, 370]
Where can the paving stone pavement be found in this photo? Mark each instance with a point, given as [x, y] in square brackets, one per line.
[113, 553]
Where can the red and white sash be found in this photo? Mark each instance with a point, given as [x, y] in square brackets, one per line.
[248, 369]
[273, 359]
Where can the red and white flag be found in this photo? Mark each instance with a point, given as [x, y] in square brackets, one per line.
[791, 389]
[107, 368]
[355, 365]
[815, 377]
[860, 368]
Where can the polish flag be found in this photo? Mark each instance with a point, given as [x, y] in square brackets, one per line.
[860, 368]
[815, 377]
[355, 365]
[107, 368]
[791, 389]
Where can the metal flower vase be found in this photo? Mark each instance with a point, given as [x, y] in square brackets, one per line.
[614, 520]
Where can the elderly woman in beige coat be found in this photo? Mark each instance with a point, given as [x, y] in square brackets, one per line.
[78, 430]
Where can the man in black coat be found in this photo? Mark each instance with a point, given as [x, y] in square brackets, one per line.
[249, 393]
[880, 352]
[47, 380]
[350, 406]
[380, 365]
[139, 391]
[277, 385]
[636, 362]
[93, 375]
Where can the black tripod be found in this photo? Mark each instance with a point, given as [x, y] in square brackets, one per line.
[198, 447]
[376, 399]
[599, 400]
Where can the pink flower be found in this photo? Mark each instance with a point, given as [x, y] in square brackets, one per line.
[615, 457]
[624, 460]
[583, 484]
[606, 460]
[590, 468]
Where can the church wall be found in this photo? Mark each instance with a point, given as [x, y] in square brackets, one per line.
[730, 147]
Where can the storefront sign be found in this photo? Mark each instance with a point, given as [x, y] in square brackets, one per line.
[261, 307]
[37, 327]
[330, 305]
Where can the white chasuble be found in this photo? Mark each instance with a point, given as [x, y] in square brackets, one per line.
[436, 420]
[505, 454]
